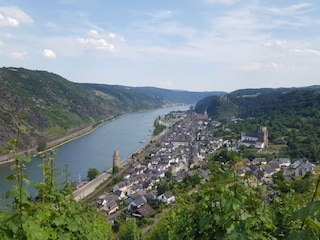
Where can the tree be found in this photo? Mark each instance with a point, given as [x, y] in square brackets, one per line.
[115, 170]
[168, 174]
[278, 177]
[92, 173]
[129, 230]
[41, 146]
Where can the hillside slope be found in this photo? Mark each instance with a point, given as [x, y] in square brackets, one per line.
[292, 118]
[246, 103]
[52, 106]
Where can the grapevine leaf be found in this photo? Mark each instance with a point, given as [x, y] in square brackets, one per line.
[307, 211]
[33, 231]
[302, 235]
[313, 224]
[22, 158]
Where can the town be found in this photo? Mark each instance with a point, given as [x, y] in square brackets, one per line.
[182, 152]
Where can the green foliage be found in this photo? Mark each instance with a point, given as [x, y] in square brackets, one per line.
[41, 146]
[53, 214]
[92, 173]
[115, 170]
[57, 106]
[291, 118]
[168, 174]
[224, 208]
[158, 127]
[129, 230]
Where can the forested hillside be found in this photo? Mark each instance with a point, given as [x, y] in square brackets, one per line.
[292, 117]
[51, 106]
[165, 95]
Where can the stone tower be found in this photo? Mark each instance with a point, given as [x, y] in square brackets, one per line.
[263, 136]
[116, 159]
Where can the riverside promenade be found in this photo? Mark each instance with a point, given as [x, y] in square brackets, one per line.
[91, 186]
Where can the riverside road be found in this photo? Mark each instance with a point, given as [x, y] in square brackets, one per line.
[91, 186]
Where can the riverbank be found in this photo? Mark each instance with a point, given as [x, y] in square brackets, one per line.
[59, 141]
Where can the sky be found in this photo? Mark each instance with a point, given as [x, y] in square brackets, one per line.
[194, 45]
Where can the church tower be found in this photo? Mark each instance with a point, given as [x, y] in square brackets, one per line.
[205, 115]
[263, 135]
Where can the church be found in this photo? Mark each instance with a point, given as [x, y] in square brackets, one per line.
[257, 139]
[202, 117]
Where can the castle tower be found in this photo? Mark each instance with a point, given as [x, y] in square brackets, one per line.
[116, 159]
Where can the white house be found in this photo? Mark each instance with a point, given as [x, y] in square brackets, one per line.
[167, 198]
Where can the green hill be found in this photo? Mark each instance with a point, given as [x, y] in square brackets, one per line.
[246, 103]
[292, 116]
[52, 106]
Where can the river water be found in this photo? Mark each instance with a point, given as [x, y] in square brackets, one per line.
[95, 150]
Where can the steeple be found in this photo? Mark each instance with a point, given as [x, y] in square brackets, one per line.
[205, 113]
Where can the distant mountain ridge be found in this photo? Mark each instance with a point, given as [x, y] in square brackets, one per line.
[52, 106]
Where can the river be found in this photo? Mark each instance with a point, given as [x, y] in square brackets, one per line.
[95, 150]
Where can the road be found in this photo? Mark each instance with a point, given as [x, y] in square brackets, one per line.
[91, 186]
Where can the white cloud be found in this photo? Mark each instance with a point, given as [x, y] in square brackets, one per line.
[18, 55]
[306, 52]
[276, 43]
[112, 35]
[97, 44]
[223, 1]
[290, 10]
[13, 17]
[97, 41]
[163, 14]
[48, 53]
[93, 33]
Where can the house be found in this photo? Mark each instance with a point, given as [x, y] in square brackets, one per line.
[122, 186]
[241, 172]
[110, 207]
[137, 203]
[301, 167]
[271, 169]
[282, 162]
[120, 194]
[167, 198]
[151, 195]
[144, 211]
[259, 161]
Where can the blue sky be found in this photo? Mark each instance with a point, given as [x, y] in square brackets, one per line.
[196, 45]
